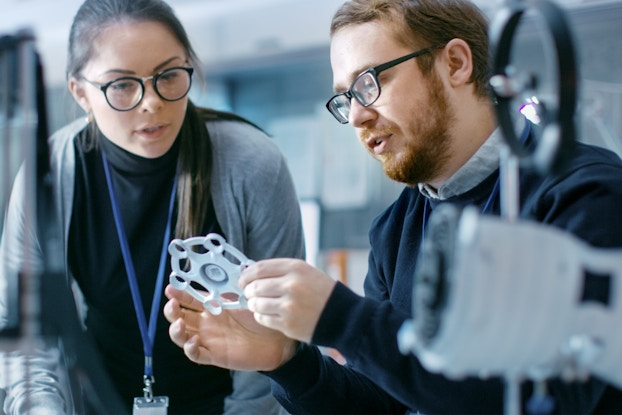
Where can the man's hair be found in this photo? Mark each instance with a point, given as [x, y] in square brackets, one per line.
[425, 23]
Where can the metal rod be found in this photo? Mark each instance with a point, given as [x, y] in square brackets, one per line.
[510, 191]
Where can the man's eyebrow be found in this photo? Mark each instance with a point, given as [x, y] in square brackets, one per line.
[338, 88]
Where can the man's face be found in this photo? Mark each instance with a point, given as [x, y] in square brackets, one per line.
[406, 129]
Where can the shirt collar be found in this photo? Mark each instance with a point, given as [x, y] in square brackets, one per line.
[481, 165]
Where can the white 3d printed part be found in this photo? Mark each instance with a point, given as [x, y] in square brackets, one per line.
[208, 268]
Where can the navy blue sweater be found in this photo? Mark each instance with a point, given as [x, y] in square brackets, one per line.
[585, 200]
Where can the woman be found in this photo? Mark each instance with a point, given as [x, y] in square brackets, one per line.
[145, 166]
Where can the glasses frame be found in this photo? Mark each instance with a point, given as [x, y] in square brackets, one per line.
[154, 80]
[374, 72]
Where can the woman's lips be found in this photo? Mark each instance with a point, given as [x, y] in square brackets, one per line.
[154, 131]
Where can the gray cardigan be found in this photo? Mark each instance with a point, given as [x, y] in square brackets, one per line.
[255, 204]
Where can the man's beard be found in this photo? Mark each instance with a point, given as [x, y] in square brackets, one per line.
[427, 148]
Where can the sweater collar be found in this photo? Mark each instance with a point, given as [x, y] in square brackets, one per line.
[125, 161]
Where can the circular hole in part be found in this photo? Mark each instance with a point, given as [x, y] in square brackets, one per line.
[214, 273]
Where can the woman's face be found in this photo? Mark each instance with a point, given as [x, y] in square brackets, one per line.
[138, 49]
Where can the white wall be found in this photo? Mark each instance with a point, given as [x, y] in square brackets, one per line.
[219, 29]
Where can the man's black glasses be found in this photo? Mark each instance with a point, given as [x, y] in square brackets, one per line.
[366, 87]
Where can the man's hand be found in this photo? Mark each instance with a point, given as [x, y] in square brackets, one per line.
[287, 295]
[232, 340]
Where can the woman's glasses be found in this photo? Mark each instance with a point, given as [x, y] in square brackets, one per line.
[125, 93]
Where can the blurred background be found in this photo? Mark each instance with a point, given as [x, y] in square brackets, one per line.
[268, 60]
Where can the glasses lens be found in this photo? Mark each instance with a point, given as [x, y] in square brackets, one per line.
[173, 84]
[366, 89]
[124, 93]
[339, 106]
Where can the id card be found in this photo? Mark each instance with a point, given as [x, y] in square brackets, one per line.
[156, 406]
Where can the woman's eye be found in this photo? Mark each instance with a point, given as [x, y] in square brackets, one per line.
[123, 85]
[168, 76]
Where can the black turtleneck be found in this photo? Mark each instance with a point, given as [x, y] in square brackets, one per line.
[143, 188]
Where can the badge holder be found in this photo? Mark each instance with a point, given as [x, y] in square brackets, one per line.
[208, 268]
[149, 404]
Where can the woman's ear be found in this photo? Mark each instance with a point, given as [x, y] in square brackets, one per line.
[76, 88]
[459, 60]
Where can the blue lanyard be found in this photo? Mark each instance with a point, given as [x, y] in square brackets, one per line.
[147, 334]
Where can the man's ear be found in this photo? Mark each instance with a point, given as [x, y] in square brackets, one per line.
[76, 88]
[459, 60]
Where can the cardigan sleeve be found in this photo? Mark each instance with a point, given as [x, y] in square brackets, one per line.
[257, 207]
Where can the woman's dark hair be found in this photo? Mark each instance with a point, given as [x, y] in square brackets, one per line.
[424, 23]
[195, 153]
